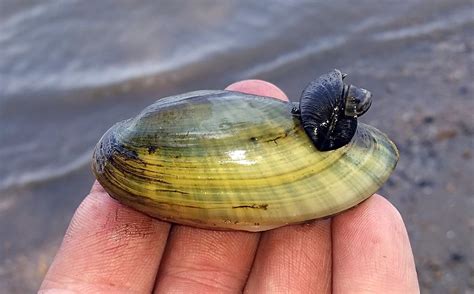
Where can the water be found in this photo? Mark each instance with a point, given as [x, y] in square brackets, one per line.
[69, 69]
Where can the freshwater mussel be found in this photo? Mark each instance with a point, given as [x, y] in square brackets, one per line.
[229, 160]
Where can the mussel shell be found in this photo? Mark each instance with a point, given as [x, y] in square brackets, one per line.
[228, 160]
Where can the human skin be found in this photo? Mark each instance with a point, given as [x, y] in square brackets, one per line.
[109, 247]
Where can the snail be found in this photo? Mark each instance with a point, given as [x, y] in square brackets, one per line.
[228, 160]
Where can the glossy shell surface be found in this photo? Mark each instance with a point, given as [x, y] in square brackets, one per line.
[228, 160]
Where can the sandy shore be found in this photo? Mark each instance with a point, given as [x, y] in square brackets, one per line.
[419, 69]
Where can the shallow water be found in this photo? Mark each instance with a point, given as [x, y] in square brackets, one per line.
[69, 69]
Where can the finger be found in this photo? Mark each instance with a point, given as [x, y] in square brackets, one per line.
[258, 87]
[107, 248]
[372, 251]
[293, 259]
[205, 261]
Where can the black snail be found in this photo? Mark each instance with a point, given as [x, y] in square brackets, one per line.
[228, 160]
[329, 110]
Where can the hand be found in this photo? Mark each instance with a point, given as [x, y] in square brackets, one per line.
[111, 248]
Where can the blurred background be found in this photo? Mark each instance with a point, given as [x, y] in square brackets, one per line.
[70, 69]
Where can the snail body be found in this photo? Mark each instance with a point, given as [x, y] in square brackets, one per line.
[228, 160]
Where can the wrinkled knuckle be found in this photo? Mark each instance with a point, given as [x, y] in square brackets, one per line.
[212, 279]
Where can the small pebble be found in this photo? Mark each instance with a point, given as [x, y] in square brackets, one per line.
[456, 257]
[428, 119]
[463, 90]
[467, 154]
[450, 234]
[446, 134]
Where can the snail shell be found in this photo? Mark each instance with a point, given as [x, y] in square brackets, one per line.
[228, 160]
[329, 110]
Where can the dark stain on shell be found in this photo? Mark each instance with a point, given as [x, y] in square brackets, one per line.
[151, 149]
[175, 191]
[122, 150]
[255, 206]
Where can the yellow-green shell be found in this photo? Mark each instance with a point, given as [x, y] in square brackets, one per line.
[227, 160]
